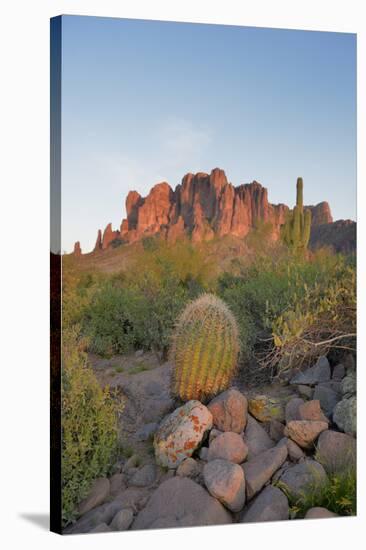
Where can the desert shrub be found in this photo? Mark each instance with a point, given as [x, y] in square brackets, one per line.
[89, 425]
[204, 349]
[338, 494]
[110, 320]
[319, 317]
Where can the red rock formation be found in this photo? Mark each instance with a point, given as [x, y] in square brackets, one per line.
[98, 243]
[77, 249]
[202, 206]
[108, 236]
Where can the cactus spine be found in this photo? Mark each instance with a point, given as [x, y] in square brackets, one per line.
[205, 349]
[295, 232]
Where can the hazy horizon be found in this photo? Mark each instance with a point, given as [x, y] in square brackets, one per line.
[148, 101]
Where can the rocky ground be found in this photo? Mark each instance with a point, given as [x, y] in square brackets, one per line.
[233, 460]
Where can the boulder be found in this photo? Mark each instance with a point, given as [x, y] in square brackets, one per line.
[345, 415]
[229, 411]
[181, 433]
[188, 468]
[305, 432]
[122, 520]
[117, 484]
[311, 410]
[270, 505]
[144, 477]
[180, 502]
[339, 372]
[348, 384]
[276, 430]
[327, 397]
[295, 453]
[318, 512]
[336, 451]
[97, 495]
[302, 477]
[259, 470]
[320, 372]
[292, 411]
[146, 431]
[256, 438]
[265, 408]
[228, 446]
[213, 434]
[203, 453]
[305, 391]
[225, 481]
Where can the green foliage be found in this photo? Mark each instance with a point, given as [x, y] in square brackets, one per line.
[89, 425]
[338, 494]
[204, 349]
[295, 232]
[320, 316]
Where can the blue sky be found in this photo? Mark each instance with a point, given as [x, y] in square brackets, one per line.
[148, 101]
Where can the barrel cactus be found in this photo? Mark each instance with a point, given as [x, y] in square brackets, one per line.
[204, 349]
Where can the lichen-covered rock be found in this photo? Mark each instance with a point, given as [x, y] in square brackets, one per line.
[225, 481]
[318, 512]
[259, 470]
[228, 446]
[320, 372]
[305, 432]
[265, 408]
[336, 451]
[270, 505]
[302, 477]
[180, 502]
[256, 438]
[181, 433]
[229, 411]
[345, 415]
[348, 384]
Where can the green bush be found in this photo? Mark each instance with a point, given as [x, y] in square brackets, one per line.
[89, 425]
[338, 494]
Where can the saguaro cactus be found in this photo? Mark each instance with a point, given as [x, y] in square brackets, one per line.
[205, 349]
[295, 232]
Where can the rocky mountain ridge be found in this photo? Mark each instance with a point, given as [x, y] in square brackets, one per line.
[202, 207]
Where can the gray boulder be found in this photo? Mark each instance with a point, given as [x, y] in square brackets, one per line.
[327, 397]
[188, 468]
[336, 451]
[256, 438]
[348, 384]
[225, 481]
[144, 477]
[345, 415]
[305, 391]
[295, 453]
[229, 411]
[292, 411]
[259, 470]
[320, 372]
[270, 505]
[97, 495]
[180, 502]
[339, 372]
[122, 520]
[302, 477]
